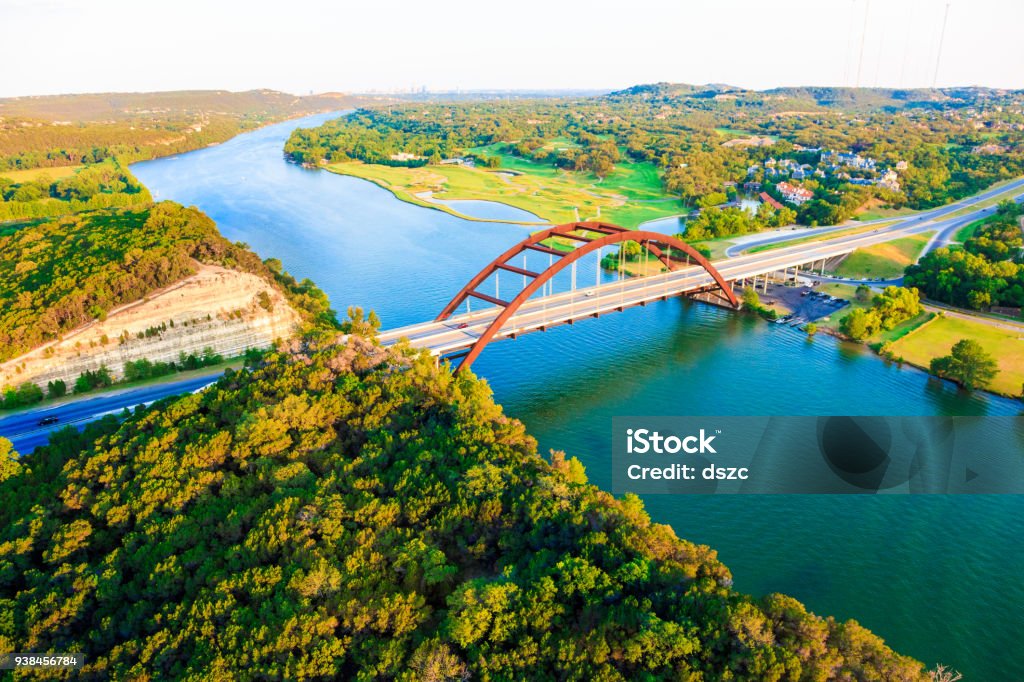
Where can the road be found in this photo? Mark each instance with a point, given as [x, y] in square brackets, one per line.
[970, 316]
[23, 428]
[945, 237]
[445, 337]
[784, 235]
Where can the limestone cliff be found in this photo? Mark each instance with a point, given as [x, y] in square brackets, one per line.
[218, 308]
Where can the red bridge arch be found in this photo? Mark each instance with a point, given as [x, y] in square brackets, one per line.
[609, 234]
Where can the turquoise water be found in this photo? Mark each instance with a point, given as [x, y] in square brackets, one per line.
[937, 577]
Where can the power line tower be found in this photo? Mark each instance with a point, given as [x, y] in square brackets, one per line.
[942, 38]
[863, 35]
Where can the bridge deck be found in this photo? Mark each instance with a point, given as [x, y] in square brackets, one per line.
[460, 332]
[449, 336]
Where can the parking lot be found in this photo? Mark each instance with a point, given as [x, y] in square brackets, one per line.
[805, 304]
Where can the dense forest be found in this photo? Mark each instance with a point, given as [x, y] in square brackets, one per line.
[349, 512]
[68, 130]
[106, 184]
[988, 270]
[61, 274]
[947, 145]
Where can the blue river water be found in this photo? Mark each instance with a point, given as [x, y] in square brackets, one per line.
[937, 577]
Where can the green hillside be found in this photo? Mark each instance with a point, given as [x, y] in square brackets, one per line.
[352, 513]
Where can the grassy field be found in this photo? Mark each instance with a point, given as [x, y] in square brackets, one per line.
[901, 330]
[886, 260]
[876, 210]
[935, 339]
[20, 176]
[630, 195]
[717, 247]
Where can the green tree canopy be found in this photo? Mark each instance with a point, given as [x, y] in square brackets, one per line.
[358, 513]
[968, 364]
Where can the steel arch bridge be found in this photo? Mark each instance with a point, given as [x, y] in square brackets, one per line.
[663, 247]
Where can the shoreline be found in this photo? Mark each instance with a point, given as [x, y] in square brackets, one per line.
[416, 200]
[428, 196]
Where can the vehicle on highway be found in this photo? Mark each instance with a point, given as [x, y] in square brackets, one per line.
[463, 325]
[589, 294]
[46, 421]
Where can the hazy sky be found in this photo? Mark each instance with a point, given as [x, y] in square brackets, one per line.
[57, 46]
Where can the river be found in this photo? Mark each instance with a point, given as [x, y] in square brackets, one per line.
[937, 577]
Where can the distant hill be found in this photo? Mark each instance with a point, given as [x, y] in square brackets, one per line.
[814, 96]
[671, 90]
[116, 106]
[69, 130]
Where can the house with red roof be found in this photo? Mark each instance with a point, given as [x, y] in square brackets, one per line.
[793, 194]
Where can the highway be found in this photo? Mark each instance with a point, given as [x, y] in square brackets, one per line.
[943, 239]
[24, 430]
[450, 336]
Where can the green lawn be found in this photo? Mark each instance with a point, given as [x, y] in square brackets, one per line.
[935, 339]
[717, 247]
[882, 213]
[886, 260]
[630, 195]
[968, 230]
[20, 176]
[902, 329]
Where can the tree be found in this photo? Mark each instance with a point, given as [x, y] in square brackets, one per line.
[56, 388]
[944, 674]
[979, 300]
[352, 511]
[888, 309]
[863, 293]
[751, 299]
[9, 465]
[859, 324]
[896, 304]
[29, 393]
[968, 364]
[811, 329]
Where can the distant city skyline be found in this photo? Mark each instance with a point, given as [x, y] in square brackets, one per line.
[74, 46]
